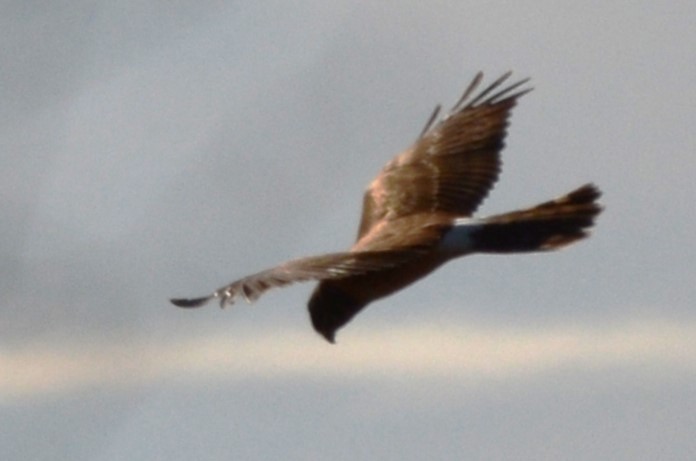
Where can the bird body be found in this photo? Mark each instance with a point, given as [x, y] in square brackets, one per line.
[417, 215]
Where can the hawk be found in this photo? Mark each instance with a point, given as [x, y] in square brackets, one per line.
[417, 215]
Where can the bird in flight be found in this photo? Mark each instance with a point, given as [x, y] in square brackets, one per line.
[417, 215]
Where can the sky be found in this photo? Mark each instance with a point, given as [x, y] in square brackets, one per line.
[162, 149]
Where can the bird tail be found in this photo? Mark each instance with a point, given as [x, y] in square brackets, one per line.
[547, 226]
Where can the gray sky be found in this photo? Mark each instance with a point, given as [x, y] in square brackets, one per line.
[160, 149]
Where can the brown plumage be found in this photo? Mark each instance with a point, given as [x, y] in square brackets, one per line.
[417, 216]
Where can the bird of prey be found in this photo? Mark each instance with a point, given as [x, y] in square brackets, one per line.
[417, 215]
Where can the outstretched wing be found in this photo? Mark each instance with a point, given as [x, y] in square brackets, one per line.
[324, 267]
[389, 245]
[452, 165]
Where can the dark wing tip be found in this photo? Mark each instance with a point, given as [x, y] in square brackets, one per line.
[190, 302]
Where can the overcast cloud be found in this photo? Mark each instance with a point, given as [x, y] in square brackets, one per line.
[161, 149]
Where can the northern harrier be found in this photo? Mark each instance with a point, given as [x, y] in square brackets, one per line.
[417, 215]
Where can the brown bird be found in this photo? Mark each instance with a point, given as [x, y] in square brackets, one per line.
[417, 215]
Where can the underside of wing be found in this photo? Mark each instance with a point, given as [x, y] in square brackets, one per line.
[330, 266]
[453, 164]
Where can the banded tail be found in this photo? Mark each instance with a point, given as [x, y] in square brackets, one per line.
[547, 226]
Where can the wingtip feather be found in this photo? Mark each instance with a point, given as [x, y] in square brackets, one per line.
[190, 302]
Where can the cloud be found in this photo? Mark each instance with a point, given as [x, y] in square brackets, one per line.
[476, 354]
